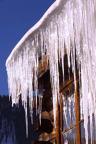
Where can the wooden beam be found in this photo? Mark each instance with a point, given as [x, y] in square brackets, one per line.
[57, 124]
[59, 120]
[77, 113]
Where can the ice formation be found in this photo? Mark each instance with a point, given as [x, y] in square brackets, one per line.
[67, 27]
[68, 111]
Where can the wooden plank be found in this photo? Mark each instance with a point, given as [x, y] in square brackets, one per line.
[77, 113]
[59, 121]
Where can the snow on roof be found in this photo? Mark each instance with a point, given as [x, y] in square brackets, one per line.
[66, 26]
[51, 9]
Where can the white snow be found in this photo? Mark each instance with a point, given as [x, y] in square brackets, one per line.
[68, 26]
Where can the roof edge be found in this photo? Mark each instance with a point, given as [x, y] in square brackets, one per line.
[34, 28]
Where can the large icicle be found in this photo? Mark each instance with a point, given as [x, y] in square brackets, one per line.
[68, 27]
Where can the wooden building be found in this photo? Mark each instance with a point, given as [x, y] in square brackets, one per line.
[63, 131]
[53, 68]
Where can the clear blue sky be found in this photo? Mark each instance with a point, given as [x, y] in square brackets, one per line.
[16, 17]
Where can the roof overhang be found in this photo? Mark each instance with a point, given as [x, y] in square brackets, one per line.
[35, 28]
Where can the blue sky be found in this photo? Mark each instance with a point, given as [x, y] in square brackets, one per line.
[16, 17]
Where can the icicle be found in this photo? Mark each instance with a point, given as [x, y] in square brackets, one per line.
[70, 30]
[66, 141]
[40, 107]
